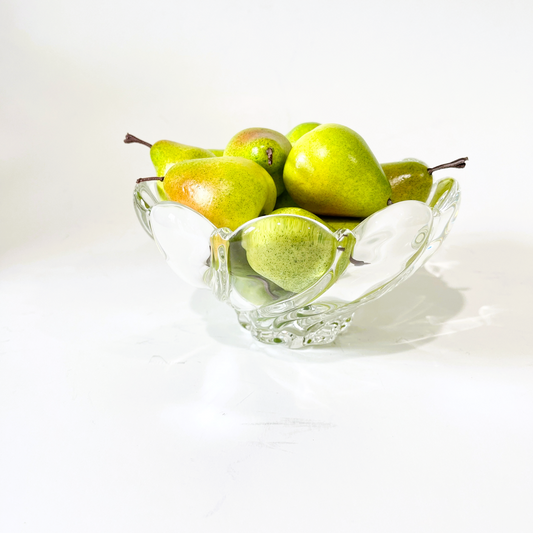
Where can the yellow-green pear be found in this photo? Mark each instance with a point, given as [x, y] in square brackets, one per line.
[228, 191]
[336, 223]
[164, 154]
[411, 179]
[292, 252]
[304, 213]
[285, 200]
[265, 147]
[333, 223]
[300, 131]
[297, 211]
[332, 171]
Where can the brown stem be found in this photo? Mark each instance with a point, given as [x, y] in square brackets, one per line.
[269, 155]
[140, 180]
[267, 286]
[354, 262]
[132, 139]
[357, 263]
[458, 163]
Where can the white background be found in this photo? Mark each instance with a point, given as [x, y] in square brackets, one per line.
[131, 402]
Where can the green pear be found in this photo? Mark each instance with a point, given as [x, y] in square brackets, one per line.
[228, 191]
[164, 154]
[246, 281]
[285, 200]
[336, 223]
[303, 213]
[297, 211]
[253, 288]
[332, 171]
[411, 179]
[217, 151]
[292, 252]
[301, 130]
[265, 147]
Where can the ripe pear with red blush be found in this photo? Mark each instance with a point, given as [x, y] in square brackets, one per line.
[228, 191]
[268, 148]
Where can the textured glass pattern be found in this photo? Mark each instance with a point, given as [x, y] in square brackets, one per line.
[292, 280]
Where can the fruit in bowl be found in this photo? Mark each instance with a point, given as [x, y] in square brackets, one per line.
[332, 171]
[295, 275]
[266, 147]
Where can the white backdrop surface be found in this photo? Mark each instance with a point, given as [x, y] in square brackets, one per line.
[132, 402]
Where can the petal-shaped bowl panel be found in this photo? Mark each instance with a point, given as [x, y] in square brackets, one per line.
[183, 236]
[386, 244]
[290, 279]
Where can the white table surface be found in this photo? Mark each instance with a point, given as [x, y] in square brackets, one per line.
[127, 409]
[131, 402]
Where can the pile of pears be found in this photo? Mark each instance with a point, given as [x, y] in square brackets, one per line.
[324, 172]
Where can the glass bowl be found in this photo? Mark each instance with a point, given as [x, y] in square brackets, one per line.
[291, 280]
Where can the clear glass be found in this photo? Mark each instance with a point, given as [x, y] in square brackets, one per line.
[292, 280]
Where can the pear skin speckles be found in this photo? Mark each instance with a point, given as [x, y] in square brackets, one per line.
[332, 171]
[228, 191]
[409, 179]
[265, 147]
[292, 252]
[164, 154]
[297, 211]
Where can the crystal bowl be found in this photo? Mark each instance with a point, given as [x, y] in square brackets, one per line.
[291, 280]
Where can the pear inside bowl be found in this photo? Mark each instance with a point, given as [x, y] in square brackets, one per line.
[291, 251]
[291, 280]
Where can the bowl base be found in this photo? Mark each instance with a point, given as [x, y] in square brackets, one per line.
[298, 333]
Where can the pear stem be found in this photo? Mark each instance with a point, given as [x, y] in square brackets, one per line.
[458, 163]
[354, 262]
[267, 286]
[132, 139]
[140, 180]
[269, 155]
